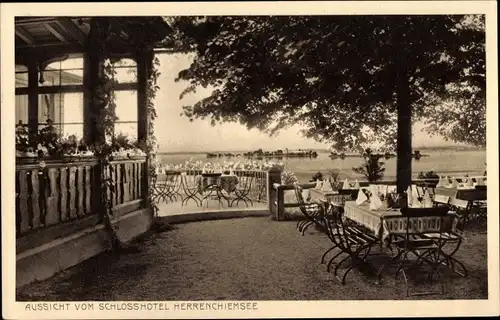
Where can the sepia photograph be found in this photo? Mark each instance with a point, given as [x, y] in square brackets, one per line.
[173, 161]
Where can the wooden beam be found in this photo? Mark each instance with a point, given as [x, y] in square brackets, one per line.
[57, 33]
[25, 35]
[72, 29]
[25, 21]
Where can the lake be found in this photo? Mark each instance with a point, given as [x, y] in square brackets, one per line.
[445, 162]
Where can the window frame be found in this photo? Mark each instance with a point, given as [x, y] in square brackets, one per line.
[80, 88]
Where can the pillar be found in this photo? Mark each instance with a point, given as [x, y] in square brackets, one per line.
[33, 96]
[144, 60]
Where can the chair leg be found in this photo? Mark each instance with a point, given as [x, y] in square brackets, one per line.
[330, 262]
[326, 252]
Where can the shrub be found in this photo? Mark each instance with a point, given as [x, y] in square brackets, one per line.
[428, 175]
[372, 168]
[288, 177]
[317, 176]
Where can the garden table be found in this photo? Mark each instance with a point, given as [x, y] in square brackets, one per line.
[470, 200]
[375, 221]
[320, 195]
[471, 194]
[214, 183]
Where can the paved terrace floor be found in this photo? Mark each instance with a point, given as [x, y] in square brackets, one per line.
[251, 258]
[176, 207]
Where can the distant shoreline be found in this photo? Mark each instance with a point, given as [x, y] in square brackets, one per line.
[444, 148]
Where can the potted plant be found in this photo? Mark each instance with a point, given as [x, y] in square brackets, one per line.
[431, 178]
[372, 168]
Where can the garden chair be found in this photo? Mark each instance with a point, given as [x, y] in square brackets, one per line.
[312, 211]
[161, 188]
[440, 200]
[191, 188]
[479, 207]
[353, 242]
[418, 233]
[337, 205]
[243, 188]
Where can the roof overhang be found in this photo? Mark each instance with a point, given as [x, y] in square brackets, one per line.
[48, 37]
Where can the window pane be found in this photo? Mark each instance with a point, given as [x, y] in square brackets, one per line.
[73, 107]
[21, 68]
[72, 63]
[65, 72]
[72, 129]
[125, 63]
[126, 71]
[71, 77]
[126, 75]
[22, 108]
[128, 129]
[126, 105]
[51, 78]
[21, 79]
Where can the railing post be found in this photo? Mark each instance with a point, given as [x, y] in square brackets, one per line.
[273, 176]
[280, 203]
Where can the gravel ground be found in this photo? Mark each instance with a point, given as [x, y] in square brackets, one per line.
[237, 259]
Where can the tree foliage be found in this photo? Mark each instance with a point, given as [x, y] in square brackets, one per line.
[338, 76]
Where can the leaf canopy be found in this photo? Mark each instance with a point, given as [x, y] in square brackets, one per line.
[338, 76]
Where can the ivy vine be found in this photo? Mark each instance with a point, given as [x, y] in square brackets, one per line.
[151, 143]
[105, 126]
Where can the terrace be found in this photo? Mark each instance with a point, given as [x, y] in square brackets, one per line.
[81, 200]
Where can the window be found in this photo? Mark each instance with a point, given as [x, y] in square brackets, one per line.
[22, 109]
[21, 76]
[60, 73]
[65, 110]
[126, 111]
[126, 100]
[126, 71]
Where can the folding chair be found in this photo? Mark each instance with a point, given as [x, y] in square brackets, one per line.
[408, 232]
[243, 188]
[312, 211]
[191, 188]
[352, 242]
[337, 205]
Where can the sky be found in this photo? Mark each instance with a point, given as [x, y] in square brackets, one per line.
[176, 133]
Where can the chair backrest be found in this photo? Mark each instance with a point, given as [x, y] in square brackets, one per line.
[424, 212]
[481, 188]
[245, 179]
[190, 179]
[301, 202]
[337, 230]
[412, 225]
[440, 199]
[459, 204]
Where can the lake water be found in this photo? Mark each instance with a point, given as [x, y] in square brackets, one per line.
[446, 162]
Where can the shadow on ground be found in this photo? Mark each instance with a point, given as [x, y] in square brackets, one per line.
[238, 259]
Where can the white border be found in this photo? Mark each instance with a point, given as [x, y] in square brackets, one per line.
[289, 309]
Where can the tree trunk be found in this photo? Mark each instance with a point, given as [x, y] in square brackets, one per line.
[404, 135]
